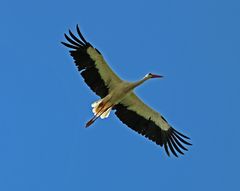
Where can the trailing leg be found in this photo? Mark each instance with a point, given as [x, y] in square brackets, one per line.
[100, 110]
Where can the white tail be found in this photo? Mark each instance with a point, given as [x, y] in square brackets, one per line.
[95, 105]
[99, 109]
[106, 113]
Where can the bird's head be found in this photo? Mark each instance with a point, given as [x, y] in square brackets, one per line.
[150, 75]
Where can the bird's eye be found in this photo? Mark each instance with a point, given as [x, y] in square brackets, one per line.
[150, 74]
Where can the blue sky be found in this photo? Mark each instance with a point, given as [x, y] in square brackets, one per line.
[45, 104]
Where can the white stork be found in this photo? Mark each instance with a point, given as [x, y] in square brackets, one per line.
[118, 95]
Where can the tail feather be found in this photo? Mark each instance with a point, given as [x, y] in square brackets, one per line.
[96, 103]
[96, 106]
[106, 113]
[99, 107]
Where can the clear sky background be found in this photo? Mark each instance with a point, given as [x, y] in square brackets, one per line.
[44, 103]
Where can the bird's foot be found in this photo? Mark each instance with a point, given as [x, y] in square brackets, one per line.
[89, 123]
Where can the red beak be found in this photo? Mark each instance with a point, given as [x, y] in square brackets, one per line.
[156, 76]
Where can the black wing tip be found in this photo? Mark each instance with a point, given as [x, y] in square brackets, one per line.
[63, 43]
[173, 141]
[176, 141]
[69, 45]
[171, 147]
[186, 137]
[65, 35]
[74, 42]
[166, 149]
[180, 138]
[80, 35]
[175, 145]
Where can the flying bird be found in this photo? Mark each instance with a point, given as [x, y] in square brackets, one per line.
[118, 95]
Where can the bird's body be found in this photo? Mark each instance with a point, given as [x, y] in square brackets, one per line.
[103, 107]
[122, 90]
[118, 95]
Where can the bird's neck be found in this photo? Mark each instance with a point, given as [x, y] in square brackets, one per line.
[138, 83]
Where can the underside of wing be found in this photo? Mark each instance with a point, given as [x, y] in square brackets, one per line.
[91, 64]
[149, 123]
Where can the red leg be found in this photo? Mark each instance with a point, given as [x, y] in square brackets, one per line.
[95, 117]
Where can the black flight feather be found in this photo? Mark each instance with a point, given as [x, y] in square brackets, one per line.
[85, 64]
[169, 139]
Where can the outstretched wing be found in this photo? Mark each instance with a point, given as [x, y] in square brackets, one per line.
[149, 123]
[91, 64]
